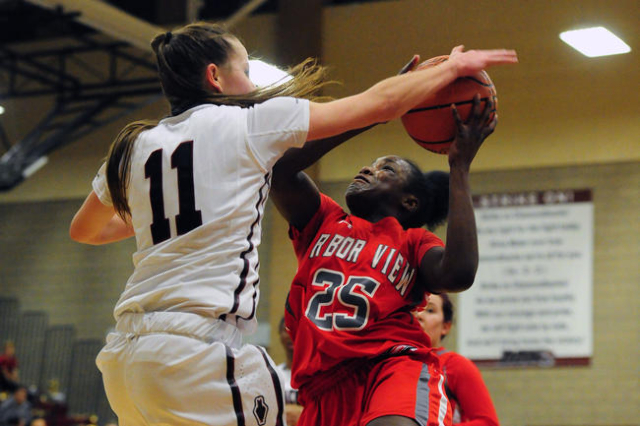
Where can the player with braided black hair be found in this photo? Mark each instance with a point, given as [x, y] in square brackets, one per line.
[360, 357]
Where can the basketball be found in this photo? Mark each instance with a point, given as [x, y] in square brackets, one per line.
[431, 124]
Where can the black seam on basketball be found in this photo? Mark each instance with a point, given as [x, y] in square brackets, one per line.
[431, 142]
[444, 105]
[481, 83]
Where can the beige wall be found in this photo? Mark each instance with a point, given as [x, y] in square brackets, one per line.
[565, 122]
[46, 271]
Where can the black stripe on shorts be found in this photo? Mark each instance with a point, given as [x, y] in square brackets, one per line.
[276, 385]
[235, 390]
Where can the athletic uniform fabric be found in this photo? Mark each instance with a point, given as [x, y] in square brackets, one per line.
[467, 392]
[198, 185]
[206, 171]
[176, 368]
[349, 315]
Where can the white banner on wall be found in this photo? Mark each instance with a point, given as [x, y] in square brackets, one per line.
[531, 303]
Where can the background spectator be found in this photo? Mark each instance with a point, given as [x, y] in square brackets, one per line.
[292, 408]
[38, 421]
[469, 396]
[16, 410]
[8, 368]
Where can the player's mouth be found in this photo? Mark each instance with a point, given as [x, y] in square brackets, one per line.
[360, 178]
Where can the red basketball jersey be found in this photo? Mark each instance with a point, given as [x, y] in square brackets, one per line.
[352, 295]
[469, 397]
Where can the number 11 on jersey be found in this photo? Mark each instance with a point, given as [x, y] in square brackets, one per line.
[188, 217]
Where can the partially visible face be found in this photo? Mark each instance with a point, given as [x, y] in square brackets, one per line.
[234, 75]
[382, 181]
[20, 395]
[431, 319]
[286, 341]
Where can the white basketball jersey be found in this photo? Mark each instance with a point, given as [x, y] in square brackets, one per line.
[198, 185]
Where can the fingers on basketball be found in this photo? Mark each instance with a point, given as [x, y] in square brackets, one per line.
[432, 124]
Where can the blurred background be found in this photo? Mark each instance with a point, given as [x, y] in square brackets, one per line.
[73, 73]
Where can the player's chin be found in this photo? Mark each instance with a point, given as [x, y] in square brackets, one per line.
[356, 197]
[355, 187]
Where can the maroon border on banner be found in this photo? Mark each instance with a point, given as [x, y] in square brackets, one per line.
[532, 198]
[552, 362]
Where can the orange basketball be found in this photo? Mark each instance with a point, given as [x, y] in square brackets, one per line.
[431, 123]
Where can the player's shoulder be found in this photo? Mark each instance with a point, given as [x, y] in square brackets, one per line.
[329, 204]
[419, 232]
[328, 215]
[461, 362]
[423, 236]
[282, 103]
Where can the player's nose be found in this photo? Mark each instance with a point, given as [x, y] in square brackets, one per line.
[366, 170]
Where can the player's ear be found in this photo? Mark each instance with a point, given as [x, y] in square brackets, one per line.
[411, 203]
[446, 328]
[211, 78]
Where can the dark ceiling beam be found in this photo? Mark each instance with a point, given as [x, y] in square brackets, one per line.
[87, 97]
[23, 69]
[107, 19]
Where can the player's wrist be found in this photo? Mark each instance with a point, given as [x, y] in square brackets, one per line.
[454, 65]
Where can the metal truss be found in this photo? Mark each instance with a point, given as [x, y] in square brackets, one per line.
[94, 82]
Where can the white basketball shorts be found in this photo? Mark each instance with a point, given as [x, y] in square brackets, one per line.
[171, 368]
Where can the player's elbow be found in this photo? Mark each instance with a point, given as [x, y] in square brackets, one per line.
[80, 235]
[460, 280]
[460, 285]
[74, 233]
[486, 421]
[77, 236]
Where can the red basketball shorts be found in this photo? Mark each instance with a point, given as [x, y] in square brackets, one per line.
[398, 386]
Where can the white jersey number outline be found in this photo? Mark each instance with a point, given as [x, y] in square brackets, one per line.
[332, 283]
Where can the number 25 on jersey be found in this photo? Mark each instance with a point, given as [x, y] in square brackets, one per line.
[333, 284]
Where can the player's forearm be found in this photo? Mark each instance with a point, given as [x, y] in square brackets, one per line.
[476, 404]
[397, 95]
[113, 230]
[116, 230]
[298, 159]
[460, 260]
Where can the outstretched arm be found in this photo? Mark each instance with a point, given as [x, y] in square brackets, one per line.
[295, 195]
[454, 268]
[394, 96]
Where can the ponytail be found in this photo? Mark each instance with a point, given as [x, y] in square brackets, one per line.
[438, 190]
[432, 191]
[183, 55]
[118, 164]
